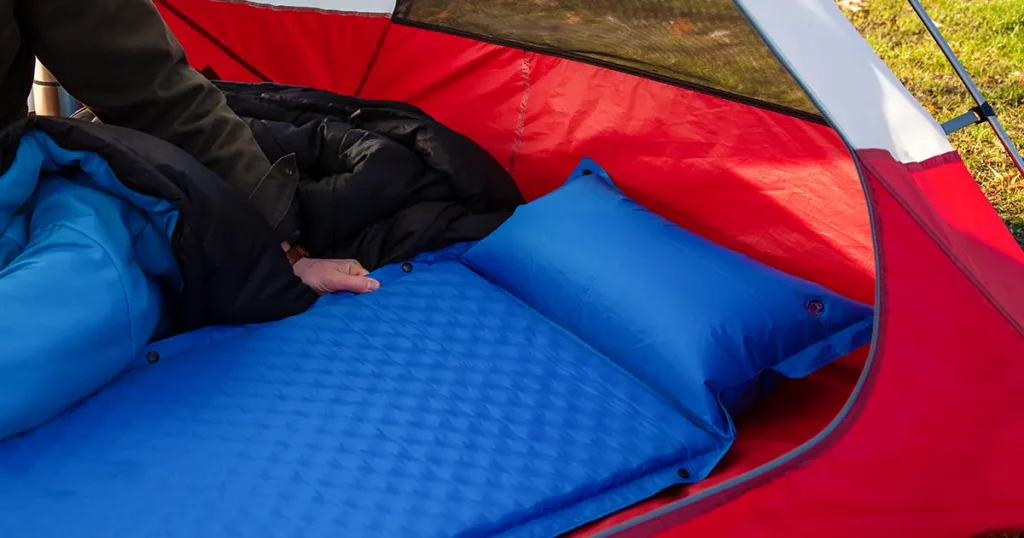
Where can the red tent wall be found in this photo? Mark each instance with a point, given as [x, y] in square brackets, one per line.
[204, 53]
[777, 188]
[249, 43]
[943, 197]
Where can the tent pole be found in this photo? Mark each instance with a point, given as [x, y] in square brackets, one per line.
[46, 92]
[983, 111]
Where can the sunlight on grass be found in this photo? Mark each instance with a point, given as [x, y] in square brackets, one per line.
[988, 36]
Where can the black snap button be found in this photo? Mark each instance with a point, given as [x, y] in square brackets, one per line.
[586, 172]
[152, 357]
[815, 307]
[407, 267]
[683, 473]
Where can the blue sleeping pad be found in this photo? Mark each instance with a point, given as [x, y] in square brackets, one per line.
[437, 406]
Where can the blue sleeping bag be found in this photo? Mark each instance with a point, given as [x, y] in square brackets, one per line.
[84, 265]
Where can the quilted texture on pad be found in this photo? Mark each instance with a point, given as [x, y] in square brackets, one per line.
[437, 406]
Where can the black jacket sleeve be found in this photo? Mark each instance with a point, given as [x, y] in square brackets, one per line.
[120, 59]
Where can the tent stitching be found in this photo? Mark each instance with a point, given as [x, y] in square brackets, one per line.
[216, 42]
[373, 60]
[947, 252]
[521, 121]
[325, 11]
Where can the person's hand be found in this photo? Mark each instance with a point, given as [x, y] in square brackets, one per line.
[331, 276]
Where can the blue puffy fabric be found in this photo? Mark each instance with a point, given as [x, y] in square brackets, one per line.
[84, 263]
[706, 327]
[436, 406]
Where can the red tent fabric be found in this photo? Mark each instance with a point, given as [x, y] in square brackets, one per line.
[920, 436]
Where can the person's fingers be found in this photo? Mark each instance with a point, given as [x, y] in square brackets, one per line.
[340, 281]
[331, 276]
[355, 268]
[343, 279]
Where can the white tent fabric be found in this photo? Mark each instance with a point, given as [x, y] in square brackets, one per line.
[848, 82]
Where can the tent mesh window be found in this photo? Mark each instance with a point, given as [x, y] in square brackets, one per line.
[706, 45]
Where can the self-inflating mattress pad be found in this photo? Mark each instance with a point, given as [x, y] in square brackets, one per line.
[581, 358]
[438, 406]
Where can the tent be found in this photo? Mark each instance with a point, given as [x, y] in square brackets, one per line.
[770, 128]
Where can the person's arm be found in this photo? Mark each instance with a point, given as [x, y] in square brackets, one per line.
[120, 60]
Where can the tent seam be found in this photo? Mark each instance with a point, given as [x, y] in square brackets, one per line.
[273, 7]
[373, 60]
[521, 121]
[946, 250]
[201, 30]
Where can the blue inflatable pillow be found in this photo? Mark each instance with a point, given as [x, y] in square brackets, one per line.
[707, 328]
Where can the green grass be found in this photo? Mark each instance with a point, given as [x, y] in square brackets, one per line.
[988, 37]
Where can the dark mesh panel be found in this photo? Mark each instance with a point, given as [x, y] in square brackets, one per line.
[705, 43]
